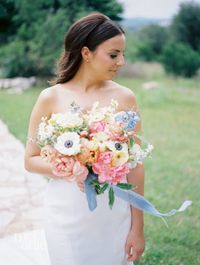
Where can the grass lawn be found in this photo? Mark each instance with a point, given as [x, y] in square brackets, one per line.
[170, 117]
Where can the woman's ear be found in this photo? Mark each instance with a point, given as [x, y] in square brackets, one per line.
[85, 54]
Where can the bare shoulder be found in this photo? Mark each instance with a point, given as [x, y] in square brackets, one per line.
[47, 94]
[45, 101]
[125, 96]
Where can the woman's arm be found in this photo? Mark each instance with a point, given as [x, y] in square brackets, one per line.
[33, 162]
[136, 177]
[135, 243]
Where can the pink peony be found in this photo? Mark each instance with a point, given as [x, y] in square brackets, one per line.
[97, 126]
[49, 153]
[105, 158]
[112, 175]
[102, 166]
[63, 167]
[118, 174]
[104, 176]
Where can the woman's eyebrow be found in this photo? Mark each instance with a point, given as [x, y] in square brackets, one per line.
[115, 50]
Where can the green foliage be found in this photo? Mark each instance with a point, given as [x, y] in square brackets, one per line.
[8, 27]
[176, 46]
[15, 60]
[111, 8]
[180, 59]
[46, 45]
[111, 196]
[145, 51]
[186, 25]
[131, 45]
[152, 41]
[125, 186]
[146, 44]
[32, 33]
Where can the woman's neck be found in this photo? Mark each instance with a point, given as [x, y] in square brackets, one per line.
[86, 81]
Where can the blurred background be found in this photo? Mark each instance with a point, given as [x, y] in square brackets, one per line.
[163, 69]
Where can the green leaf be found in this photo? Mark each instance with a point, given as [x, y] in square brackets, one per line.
[104, 187]
[98, 189]
[131, 142]
[125, 186]
[111, 197]
[95, 182]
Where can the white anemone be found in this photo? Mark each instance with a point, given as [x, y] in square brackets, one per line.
[68, 143]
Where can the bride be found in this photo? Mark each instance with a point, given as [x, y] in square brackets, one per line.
[93, 53]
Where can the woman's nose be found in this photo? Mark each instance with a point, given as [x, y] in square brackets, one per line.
[121, 61]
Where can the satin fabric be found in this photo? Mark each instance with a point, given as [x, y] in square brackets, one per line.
[77, 236]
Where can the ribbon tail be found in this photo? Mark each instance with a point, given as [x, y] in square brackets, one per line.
[90, 192]
[139, 202]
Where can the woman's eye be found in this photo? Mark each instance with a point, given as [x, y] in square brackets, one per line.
[113, 56]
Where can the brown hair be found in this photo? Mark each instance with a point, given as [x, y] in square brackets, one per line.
[89, 31]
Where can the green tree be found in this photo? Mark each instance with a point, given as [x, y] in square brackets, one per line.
[185, 25]
[152, 41]
[32, 31]
[8, 26]
[15, 60]
[180, 59]
[131, 45]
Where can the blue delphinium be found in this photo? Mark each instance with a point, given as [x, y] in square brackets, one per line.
[128, 118]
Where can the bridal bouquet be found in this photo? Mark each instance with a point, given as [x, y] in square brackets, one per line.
[97, 147]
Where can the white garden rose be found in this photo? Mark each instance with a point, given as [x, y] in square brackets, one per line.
[100, 138]
[67, 120]
[44, 131]
[102, 113]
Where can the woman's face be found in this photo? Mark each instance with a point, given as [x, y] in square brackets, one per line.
[108, 57]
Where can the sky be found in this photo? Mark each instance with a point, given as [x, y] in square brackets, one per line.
[151, 8]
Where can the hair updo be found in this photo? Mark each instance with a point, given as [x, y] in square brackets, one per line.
[89, 31]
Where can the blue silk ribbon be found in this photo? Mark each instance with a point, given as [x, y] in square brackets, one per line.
[90, 191]
[131, 197]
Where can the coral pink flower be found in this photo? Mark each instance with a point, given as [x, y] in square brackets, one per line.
[97, 126]
[49, 153]
[87, 156]
[63, 167]
[116, 133]
[121, 138]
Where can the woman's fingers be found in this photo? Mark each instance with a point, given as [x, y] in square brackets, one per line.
[81, 186]
[134, 255]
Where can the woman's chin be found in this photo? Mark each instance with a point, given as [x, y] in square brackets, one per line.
[112, 73]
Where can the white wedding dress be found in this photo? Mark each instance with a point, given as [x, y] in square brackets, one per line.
[77, 236]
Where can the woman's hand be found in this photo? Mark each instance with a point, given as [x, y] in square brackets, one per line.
[135, 245]
[81, 185]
